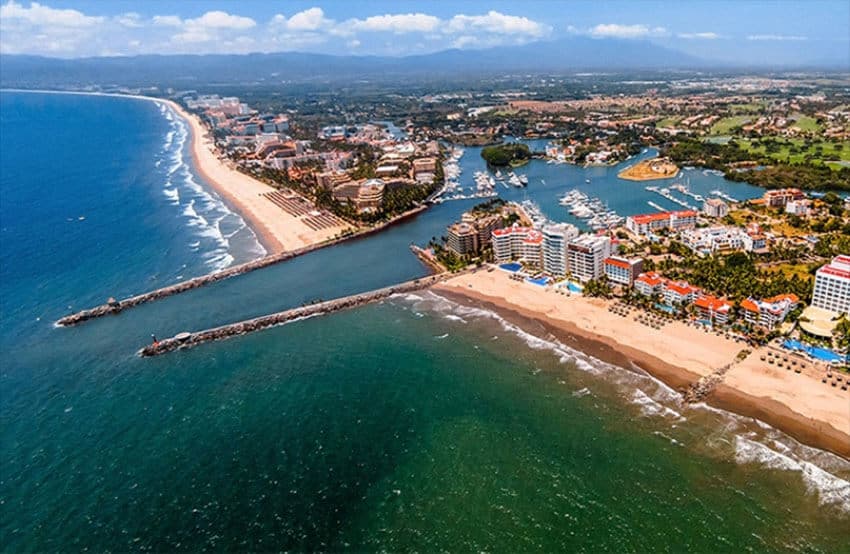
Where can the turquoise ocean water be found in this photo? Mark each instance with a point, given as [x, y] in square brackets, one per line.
[414, 424]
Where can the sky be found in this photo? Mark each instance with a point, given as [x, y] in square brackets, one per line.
[749, 32]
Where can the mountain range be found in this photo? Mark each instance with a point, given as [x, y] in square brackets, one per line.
[571, 54]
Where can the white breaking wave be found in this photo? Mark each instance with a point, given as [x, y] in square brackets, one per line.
[206, 213]
[814, 465]
[831, 490]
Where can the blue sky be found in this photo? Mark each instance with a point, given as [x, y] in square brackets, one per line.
[742, 31]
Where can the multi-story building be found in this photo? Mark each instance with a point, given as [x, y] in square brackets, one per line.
[646, 224]
[713, 309]
[650, 283]
[531, 249]
[462, 238]
[623, 270]
[518, 243]
[715, 207]
[713, 239]
[780, 197]
[802, 208]
[832, 286]
[672, 292]
[769, 312]
[556, 238]
[679, 293]
[586, 256]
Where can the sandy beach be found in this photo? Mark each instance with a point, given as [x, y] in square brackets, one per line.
[796, 403]
[278, 230]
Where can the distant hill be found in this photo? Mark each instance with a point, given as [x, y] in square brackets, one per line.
[576, 53]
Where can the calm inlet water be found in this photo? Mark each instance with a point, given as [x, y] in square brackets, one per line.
[414, 424]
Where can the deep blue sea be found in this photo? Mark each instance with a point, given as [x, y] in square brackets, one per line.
[413, 424]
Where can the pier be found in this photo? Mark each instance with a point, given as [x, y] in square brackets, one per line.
[114, 307]
[188, 340]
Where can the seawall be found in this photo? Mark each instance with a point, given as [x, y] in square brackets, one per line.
[186, 340]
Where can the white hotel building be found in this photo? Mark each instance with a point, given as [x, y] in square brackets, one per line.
[586, 256]
[556, 238]
[832, 286]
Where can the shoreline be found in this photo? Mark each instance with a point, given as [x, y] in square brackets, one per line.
[811, 431]
[275, 229]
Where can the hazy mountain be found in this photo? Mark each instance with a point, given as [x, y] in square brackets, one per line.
[183, 70]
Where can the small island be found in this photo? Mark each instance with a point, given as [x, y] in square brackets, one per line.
[513, 154]
[649, 170]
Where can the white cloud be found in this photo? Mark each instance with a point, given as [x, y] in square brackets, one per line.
[776, 37]
[699, 36]
[498, 23]
[396, 23]
[311, 19]
[39, 29]
[167, 20]
[615, 30]
[37, 14]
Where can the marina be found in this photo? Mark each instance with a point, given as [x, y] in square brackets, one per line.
[593, 211]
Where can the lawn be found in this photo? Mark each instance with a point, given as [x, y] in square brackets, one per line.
[795, 151]
[805, 123]
[747, 108]
[789, 270]
[668, 122]
[725, 125]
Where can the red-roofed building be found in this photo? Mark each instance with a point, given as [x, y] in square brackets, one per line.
[650, 283]
[673, 292]
[515, 242]
[646, 224]
[769, 312]
[679, 292]
[713, 309]
[623, 270]
[779, 197]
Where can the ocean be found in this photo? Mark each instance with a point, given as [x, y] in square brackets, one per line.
[412, 424]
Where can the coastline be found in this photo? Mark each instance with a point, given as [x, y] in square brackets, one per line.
[277, 230]
[810, 420]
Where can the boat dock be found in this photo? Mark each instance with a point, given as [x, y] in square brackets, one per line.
[187, 339]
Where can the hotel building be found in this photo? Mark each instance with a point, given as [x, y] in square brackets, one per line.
[832, 286]
[556, 238]
[462, 239]
[778, 198]
[517, 243]
[713, 309]
[586, 256]
[769, 312]
[623, 270]
[715, 207]
[647, 224]
[672, 292]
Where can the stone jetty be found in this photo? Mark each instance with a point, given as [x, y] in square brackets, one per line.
[187, 340]
[113, 307]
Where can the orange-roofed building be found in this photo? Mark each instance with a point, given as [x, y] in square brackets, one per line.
[769, 312]
[623, 271]
[650, 283]
[646, 224]
[679, 292]
[713, 309]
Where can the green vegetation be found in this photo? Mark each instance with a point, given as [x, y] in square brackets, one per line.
[598, 287]
[807, 174]
[668, 122]
[725, 125]
[796, 151]
[806, 123]
[506, 154]
[736, 276]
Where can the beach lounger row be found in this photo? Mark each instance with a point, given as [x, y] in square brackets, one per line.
[324, 221]
[293, 205]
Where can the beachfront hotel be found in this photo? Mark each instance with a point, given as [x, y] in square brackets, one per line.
[769, 312]
[623, 271]
[586, 256]
[832, 286]
[647, 224]
[556, 238]
[517, 243]
[672, 292]
[713, 309]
